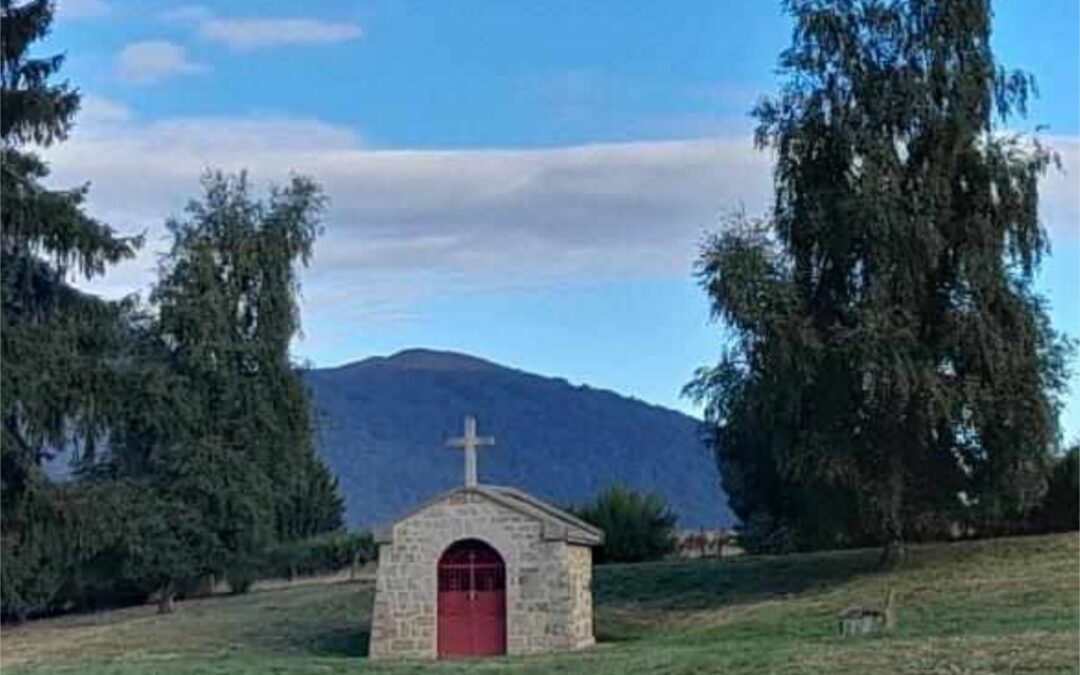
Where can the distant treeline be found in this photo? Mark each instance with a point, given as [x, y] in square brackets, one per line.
[190, 424]
[1057, 510]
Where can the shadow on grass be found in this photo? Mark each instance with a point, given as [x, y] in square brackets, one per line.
[343, 643]
[703, 584]
[614, 627]
[604, 635]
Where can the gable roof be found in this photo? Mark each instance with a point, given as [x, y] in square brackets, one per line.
[557, 524]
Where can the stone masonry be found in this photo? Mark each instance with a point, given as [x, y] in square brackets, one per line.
[548, 558]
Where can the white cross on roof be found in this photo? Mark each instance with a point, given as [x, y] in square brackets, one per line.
[470, 442]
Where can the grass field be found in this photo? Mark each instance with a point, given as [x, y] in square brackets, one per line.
[1003, 606]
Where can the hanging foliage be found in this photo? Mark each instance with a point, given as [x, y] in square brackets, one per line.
[890, 365]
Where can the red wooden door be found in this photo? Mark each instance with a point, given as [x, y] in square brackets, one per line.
[472, 601]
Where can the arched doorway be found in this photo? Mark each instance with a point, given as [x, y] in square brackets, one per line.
[472, 601]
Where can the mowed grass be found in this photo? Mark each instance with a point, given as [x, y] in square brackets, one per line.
[1001, 606]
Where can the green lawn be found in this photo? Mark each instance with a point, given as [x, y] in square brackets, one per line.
[1004, 606]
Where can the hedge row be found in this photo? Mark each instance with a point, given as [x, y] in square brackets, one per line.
[318, 555]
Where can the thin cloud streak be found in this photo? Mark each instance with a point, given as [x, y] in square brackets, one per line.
[463, 218]
[154, 61]
[245, 34]
[97, 110]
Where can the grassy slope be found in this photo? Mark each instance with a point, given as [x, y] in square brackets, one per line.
[1009, 605]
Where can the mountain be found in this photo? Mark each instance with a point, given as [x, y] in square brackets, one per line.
[382, 424]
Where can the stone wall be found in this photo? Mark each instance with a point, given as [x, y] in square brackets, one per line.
[548, 597]
[579, 571]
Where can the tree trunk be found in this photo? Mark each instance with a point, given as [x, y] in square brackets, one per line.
[889, 610]
[165, 598]
[354, 566]
[892, 552]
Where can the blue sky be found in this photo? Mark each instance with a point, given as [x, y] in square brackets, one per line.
[524, 181]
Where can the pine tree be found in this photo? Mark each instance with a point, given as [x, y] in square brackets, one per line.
[889, 347]
[55, 381]
[45, 236]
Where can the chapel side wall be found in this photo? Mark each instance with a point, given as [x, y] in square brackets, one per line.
[579, 571]
[535, 616]
[539, 594]
[392, 609]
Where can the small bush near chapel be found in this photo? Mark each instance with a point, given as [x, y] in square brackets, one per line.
[319, 555]
[637, 526]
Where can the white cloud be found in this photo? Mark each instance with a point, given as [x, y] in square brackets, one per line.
[81, 9]
[1059, 206]
[152, 61]
[511, 215]
[213, 139]
[253, 33]
[410, 221]
[95, 110]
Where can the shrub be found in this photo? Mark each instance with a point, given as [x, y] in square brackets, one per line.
[637, 526]
[1061, 506]
[318, 555]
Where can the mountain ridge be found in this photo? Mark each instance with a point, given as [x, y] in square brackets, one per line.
[419, 358]
[382, 423]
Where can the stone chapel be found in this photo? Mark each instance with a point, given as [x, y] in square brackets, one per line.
[483, 570]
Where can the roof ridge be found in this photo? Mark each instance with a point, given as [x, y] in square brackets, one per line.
[547, 507]
[514, 499]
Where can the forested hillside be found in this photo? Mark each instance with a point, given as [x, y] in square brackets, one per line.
[382, 424]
